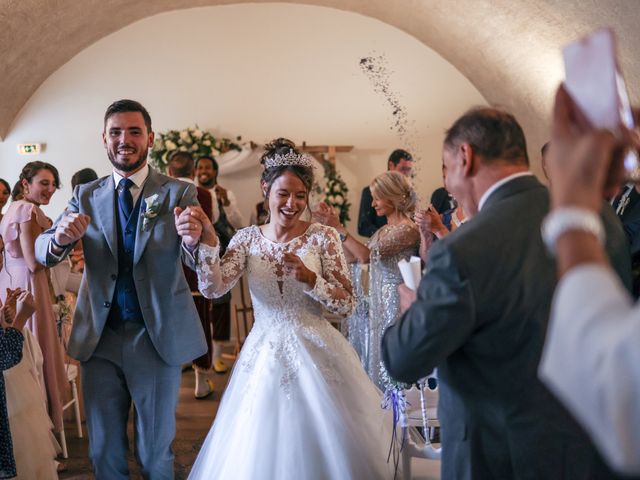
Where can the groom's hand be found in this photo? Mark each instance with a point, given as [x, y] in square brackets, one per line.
[71, 228]
[188, 225]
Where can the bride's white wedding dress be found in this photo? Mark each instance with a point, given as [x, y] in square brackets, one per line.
[299, 405]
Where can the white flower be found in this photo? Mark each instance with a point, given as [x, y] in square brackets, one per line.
[182, 148]
[158, 144]
[197, 133]
[215, 152]
[194, 147]
[185, 137]
[169, 145]
[151, 200]
[207, 143]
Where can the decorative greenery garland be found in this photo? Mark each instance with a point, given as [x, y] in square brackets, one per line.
[193, 140]
[336, 191]
[201, 143]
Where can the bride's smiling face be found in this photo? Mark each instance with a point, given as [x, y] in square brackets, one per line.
[287, 199]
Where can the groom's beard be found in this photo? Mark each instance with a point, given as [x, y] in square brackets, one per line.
[127, 167]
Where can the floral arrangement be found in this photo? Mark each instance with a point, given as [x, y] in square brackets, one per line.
[336, 191]
[199, 143]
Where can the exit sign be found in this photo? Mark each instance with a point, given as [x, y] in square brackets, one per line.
[29, 148]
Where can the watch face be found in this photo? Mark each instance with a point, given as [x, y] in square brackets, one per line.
[343, 236]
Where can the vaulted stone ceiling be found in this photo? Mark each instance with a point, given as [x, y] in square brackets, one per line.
[509, 49]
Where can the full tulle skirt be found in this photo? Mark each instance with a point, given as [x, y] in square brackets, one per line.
[298, 406]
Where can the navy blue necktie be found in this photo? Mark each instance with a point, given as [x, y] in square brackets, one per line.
[125, 199]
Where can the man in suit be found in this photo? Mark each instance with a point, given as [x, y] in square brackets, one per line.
[135, 322]
[481, 315]
[368, 222]
[182, 167]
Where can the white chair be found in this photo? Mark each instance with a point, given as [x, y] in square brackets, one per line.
[422, 408]
[72, 374]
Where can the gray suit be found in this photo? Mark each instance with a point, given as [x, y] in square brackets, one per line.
[481, 317]
[138, 361]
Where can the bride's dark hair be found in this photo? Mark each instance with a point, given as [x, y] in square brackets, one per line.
[283, 146]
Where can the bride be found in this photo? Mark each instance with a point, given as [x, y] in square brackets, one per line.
[298, 405]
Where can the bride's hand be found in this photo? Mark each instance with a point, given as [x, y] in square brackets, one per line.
[294, 265]
[209, 236]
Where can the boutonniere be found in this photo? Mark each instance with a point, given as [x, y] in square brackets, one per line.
[150, 211]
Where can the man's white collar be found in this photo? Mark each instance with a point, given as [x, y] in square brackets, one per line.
[498, 184]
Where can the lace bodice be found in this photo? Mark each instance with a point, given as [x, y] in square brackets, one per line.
[276, 295]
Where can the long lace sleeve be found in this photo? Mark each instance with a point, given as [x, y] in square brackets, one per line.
[216, 276]
[333, 288]
[390, 240]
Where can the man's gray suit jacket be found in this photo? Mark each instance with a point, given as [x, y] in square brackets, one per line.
[165, 299]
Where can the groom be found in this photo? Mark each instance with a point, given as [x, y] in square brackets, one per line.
[135, 323]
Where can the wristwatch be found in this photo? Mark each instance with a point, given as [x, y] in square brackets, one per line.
[343, 235]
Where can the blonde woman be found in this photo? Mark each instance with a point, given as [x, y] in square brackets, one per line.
[394, 198]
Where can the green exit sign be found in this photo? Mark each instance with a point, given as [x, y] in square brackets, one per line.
[29, 148]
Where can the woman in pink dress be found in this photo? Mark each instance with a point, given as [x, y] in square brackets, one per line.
[19, 228]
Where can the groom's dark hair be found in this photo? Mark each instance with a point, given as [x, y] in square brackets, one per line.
[123, 106]
[493, 133]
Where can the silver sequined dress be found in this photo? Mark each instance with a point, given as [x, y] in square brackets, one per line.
[298, 405]
[388, 246]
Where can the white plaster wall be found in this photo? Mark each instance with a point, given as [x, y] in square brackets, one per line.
[259, 71]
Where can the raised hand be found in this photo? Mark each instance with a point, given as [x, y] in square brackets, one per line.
[326, 215]
[296, 268]
[9, 307]
[25, 307]
[189, 225]
[71, 228]
[429, 221]
[222, 195]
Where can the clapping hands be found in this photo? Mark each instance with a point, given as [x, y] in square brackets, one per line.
[326, 215]
[429, 221]
[18, 307]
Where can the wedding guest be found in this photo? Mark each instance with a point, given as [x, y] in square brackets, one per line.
[181, 167]
[227, 219]
[481, 312]
[16, 191]
[19, 228]
[591, 357]
[83, 176]
[11, 341]
[34, 446]
[297, 381]
[135, 323]
[207, 175]
[368, 220]
[5, 194]
[394, 199]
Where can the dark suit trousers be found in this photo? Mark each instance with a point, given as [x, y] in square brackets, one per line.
[126, 368]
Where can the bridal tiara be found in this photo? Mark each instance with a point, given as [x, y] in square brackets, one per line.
[292, 158]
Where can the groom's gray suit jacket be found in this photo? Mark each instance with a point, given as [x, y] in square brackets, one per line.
[165, 299]
[481, 317]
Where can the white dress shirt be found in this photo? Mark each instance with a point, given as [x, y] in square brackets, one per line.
[591, 361]
[138, 179]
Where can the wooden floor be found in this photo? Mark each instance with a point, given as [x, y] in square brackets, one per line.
[194, 418]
